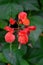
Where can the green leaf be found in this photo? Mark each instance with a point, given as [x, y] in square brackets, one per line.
[20, 52]
[41, 41]
[29, 6]
[3, 24]
[2, 34]
[40, 62]
[9, 54]
[34, 2]
[36, 20]
[41, 2]
[37, 44]
[2, 63]
[35, 57]
[15, 9]
[9, 10]
[2, 58]
[23, 62]
[35, 34]
[4, 1]
[14, 51]
[12, 8]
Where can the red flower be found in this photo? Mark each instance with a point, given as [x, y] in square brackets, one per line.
[22, 34]
[9, 37]
[12, 21]
[9, 29]
[22, 15]
[22, 37]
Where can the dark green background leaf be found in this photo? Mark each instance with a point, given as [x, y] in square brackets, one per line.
[9, 10]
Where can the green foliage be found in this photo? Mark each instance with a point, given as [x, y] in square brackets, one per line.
[26, 55]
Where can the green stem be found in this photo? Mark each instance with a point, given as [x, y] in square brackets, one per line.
[11, 48]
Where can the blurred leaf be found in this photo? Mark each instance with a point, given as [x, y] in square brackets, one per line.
[35, 55]
[16, 53]
[41, 2]
[9, 10]
[12, 8]
[3, 24]
[4, 1]
[35, 34]
[29, 6]
[36, 20]
[5, 11]
[9, 55]
[23, 62]
[41, 41]
[41, 14]
[40, 62]
[2, 58]
[2, 63]
[15, 9]
[20, 52]
[2, 34]
[34, 2]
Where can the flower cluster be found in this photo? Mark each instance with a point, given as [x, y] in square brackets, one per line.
[22, 33]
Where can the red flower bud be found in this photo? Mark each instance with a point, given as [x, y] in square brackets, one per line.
[12, 21]
[22, 15]
[9, 37]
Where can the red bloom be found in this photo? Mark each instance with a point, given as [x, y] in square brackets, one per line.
[22, 34]
[12, 21]
[9, 37]
[9, 29]
[22, 37]
[22, 15]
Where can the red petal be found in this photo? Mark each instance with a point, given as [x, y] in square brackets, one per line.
[32, 28]
[12, 21]
[7, 28]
